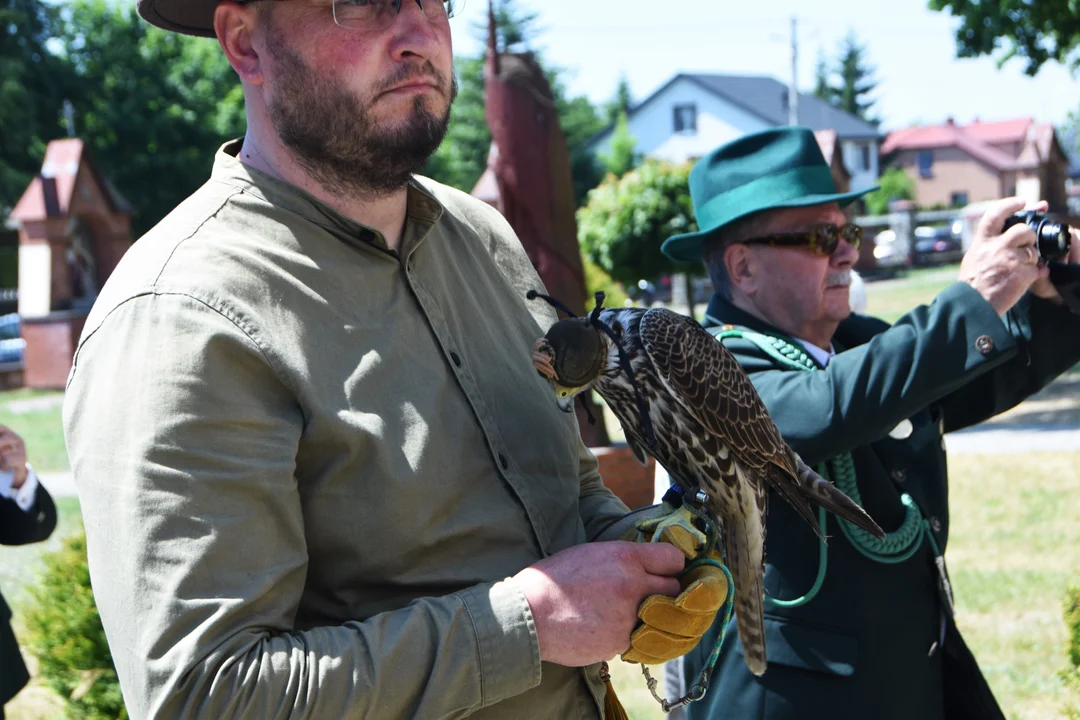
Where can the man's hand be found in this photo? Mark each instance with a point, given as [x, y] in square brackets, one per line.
[1043, 287]
[585, 599]
[13, 456]
[1001, 267]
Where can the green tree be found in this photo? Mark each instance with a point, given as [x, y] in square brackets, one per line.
[626, 219]
[1035, 31]
[623, 156]
[462, 157]
[620, 103]
[857, 80]
[153, 105]
[823, 87]
[515, 28]
[33, 84]
[895, 185]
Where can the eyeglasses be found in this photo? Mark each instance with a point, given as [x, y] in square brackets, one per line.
[378, 15]
[820, 240]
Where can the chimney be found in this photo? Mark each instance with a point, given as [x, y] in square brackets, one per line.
[949, 121]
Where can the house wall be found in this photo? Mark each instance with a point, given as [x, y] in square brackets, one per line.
[718, 122]
[952, 171]
[1057, 168]
[861, 178]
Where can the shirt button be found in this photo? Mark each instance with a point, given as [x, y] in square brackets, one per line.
[935, 524]
[899, 475]
[503, 461]
[455, 358]
[984, 344]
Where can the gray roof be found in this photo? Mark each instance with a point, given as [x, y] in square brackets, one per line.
[767, 98]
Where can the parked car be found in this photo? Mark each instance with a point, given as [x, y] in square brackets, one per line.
[888, 253]
[937, 246]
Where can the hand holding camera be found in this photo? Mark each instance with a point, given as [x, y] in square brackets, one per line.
[1003, 263]
[1059, 248]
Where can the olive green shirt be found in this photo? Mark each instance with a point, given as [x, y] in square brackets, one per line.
[309, 465]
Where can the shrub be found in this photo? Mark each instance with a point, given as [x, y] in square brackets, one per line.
[1072, 628]
[597, 279]
[63, 631]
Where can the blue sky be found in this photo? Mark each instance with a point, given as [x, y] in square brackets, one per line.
[921, 79]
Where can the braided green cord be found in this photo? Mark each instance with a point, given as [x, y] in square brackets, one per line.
[896, 546]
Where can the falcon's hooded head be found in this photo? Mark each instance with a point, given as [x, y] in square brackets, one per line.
[572, 353]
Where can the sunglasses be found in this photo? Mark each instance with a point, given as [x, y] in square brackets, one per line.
[821, 239]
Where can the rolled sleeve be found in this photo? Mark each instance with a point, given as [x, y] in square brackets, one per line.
[506, 639]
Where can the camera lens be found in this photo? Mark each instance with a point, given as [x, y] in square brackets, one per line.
[1052, 240]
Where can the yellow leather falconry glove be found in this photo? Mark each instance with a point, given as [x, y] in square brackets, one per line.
[672, 627]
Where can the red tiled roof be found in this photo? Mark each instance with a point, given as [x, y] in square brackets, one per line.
[1002, 131]
[49, 194]
[939, 136]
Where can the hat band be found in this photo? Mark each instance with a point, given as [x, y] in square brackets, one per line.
[770, 191]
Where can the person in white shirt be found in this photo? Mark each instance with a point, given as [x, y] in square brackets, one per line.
[27, 515]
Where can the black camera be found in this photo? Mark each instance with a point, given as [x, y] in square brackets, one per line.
[1052, 239]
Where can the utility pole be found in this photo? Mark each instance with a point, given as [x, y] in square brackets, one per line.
[793, 87]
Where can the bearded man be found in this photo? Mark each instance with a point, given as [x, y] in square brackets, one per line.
[861, 628]
[320, 475]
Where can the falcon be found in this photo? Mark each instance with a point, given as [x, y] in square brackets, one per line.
[683, 398]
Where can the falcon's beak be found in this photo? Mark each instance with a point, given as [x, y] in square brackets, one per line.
[564, 397]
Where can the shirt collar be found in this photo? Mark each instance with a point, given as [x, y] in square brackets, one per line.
[820, 356]
[723, 312]
[421, 206]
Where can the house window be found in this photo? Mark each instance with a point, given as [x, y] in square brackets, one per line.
[864, 156]
[925, 160]
[959, 199]
[686, 119]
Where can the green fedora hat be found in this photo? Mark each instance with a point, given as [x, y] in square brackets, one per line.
[777, 168]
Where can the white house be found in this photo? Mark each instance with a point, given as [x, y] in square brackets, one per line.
[693, 114]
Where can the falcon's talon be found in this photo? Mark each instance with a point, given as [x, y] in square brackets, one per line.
[677, 528]
[542, 357]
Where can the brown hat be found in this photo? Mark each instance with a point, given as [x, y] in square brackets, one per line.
[191, 17]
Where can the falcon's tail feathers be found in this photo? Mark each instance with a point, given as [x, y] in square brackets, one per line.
[814, 489]
[746, 562]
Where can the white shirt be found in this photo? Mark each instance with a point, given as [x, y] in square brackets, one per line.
[24, 497]
[821, 356]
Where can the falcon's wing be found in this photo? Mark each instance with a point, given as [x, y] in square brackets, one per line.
[708, 381]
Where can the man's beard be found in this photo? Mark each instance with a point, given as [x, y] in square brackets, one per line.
[333, 136]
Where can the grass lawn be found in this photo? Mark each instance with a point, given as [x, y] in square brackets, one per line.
[889, 299]
[36, 416]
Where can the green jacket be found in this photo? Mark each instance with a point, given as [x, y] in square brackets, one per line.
[862, 647]
[308, 464]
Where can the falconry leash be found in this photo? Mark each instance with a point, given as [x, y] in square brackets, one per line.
[898, 545]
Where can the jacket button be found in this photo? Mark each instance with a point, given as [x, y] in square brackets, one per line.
[899, 475]
[503, 461]
[984, 344]
[935, 524]
[455, 358]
